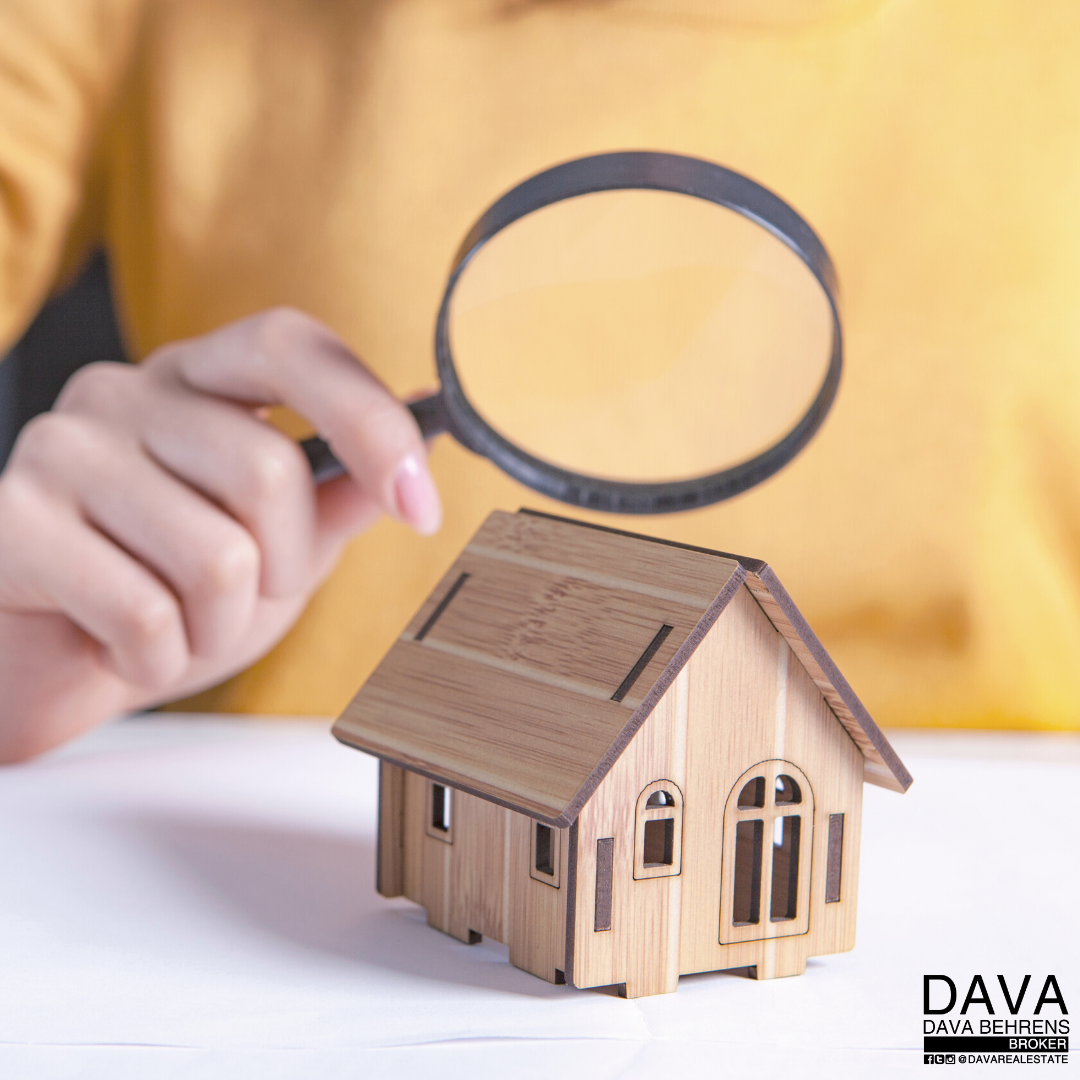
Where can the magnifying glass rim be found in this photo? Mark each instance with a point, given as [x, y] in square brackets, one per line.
[622, 171]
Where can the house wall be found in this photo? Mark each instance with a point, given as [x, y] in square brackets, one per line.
[751, 700]
[743, 698]
[642, 947]
[537, 910]
[479, 882]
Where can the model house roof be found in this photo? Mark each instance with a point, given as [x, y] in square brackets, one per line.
[546, 646]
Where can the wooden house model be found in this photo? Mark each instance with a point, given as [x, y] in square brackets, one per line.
[627, 759]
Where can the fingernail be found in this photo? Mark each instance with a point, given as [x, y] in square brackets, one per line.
[417, 497]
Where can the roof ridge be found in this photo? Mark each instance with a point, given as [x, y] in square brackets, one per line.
[749, 564]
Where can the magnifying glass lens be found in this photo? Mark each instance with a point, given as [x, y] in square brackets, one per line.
[639, 335]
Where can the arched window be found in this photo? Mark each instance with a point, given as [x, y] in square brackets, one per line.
[658, 831]
[768, 839]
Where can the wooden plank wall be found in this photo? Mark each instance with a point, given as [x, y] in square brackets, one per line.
[752, 700]
[537, 910]
[390, 867]
[743, 698]
[641, 950]
[480, 884]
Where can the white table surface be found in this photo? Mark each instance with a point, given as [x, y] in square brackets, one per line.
[193, 897]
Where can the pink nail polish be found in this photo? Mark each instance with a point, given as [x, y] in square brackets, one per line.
[417, 497]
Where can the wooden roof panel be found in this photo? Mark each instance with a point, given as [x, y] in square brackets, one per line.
[553, 623]
[502, 684]
[519, 742]
[621, 560]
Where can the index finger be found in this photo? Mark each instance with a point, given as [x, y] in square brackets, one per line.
[288, 358]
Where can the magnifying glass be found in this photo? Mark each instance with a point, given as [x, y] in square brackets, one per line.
[636, 333]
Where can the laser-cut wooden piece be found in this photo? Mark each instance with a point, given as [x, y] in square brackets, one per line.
[564, 674]
[834, 869]
[390, 870]
[605, 856]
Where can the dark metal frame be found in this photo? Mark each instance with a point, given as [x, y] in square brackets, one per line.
[450, 410]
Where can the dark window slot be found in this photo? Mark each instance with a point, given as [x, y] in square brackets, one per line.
[659, 842]
[440, 807]
[746, 903]
[545, 850]
[643, 662]
[660, 798]
[752, 796]
[785, 871]
[605, 858]
[834, 865]
[443, 604]
[787, 791]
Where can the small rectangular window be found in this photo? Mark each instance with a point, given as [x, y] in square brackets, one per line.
[785, 870]
[659, 842]
[545, 854]
[545, 850]
[605, 859]
[747, 900]
[440, 807]
[834, 866]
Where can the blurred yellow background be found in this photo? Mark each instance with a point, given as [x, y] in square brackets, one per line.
[235, 154]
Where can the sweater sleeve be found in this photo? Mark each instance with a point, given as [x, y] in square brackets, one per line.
[60, 64]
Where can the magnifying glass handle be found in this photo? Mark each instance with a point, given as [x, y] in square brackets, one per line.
[429, 414]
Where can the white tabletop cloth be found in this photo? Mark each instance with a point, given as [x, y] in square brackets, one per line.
[185, 897]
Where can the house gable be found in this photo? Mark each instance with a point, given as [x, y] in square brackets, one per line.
[743, 703]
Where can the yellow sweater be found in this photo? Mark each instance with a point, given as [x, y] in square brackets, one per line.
[235, 154]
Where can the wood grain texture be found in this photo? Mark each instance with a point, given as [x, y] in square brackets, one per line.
[415, 811]
[752, 701]
[464, 885]
[642, 947]
[743, 698]
[479, 869]
[537, 911]
[479, 885]
[883, 765]
[390, 856]
[636, 564]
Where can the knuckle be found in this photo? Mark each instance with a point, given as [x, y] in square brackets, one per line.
[284, 326]
[21, 503]
[232, 564]
[95, 388]
[145, 622]
[53, 436]
[272, 472]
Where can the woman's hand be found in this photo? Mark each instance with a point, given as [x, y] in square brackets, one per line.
[157, 536]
